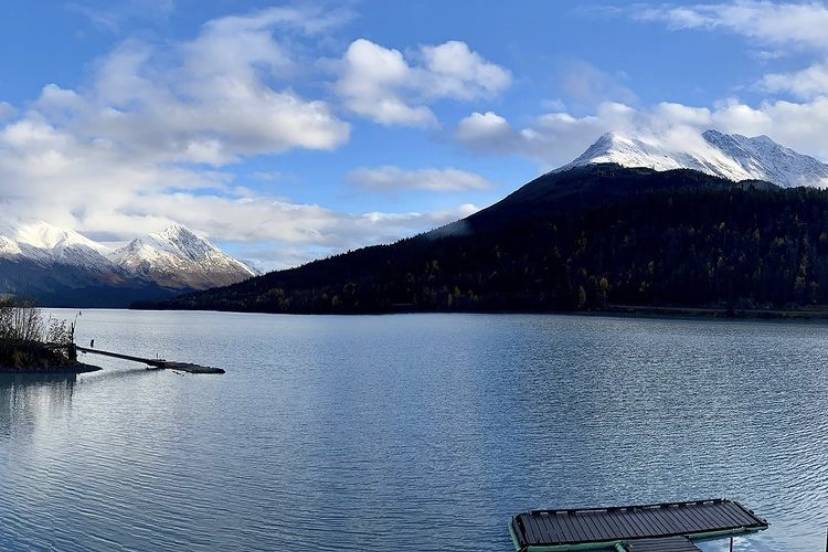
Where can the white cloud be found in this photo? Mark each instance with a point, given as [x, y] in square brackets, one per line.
[795, 24]
[282, 233]
[206, 101]
[486, 132]
[147, 116]
[149, 108]
[554, 139]
[806, 83]
[381, 84]
[256, 218]
[371, 83]
[147, 139]
[786, 27]
[388, 178]
[453, 70]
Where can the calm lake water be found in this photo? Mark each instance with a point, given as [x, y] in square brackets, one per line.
[411, 432]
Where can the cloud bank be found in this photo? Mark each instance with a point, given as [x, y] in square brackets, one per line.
[152, 136]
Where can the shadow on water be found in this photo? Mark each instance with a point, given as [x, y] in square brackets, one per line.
[116, 374]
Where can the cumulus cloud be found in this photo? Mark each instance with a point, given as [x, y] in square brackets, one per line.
[383, 85]
[209, 100]
[387, 178]
[149, 138]
[150, 117]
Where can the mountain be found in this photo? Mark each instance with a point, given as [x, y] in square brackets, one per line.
[48, 244]
[730, 156]
[585, 238]
[58, 267]
[177, 258]
[723, 221]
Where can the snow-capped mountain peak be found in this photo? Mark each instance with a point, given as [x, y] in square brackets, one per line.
[43, 235]
[177, 257]
[9, 247]
[183, 241]
[730, 156]
[47, 244]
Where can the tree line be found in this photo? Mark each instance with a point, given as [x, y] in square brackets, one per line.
[708, 245]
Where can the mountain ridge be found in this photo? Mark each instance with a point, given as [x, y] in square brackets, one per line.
[730, 156]
[582, 239]
[60, 267]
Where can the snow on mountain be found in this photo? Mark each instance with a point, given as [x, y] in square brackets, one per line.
[43, 235]
[8, 247]
[49, 244]
[175, 258]
[178, 258]
[730, 156]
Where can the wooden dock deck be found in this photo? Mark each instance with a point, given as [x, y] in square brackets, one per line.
[667, 527]
[154, 363]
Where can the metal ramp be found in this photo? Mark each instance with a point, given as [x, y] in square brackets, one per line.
[670, 544]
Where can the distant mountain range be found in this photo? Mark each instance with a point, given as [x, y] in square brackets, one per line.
[59, 267]
[632, 221]
[716, 220]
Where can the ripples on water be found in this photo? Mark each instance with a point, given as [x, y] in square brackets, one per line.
[409, 433]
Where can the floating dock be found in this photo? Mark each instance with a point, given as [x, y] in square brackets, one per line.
[666, 527]
[154, 363]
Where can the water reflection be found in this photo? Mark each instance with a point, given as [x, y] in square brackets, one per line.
[409, 433]
[26, 398]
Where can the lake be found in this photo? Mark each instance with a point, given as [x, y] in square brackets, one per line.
[409, 432]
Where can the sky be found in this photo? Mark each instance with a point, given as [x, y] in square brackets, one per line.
[286, 132]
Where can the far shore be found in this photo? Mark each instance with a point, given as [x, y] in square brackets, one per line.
[720, 313]
[812, 313]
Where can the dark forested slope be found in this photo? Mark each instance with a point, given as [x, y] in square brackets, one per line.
[582, 239]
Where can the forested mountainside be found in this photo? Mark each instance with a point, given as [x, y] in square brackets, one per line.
[582, 239]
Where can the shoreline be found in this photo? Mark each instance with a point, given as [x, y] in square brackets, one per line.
[714, 313]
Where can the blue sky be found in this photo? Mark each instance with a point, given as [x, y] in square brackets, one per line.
[288, 131]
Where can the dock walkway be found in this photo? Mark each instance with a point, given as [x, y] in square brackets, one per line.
[154, 363]
[667, 527]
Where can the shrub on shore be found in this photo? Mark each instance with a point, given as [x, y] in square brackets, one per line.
[31, 342]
